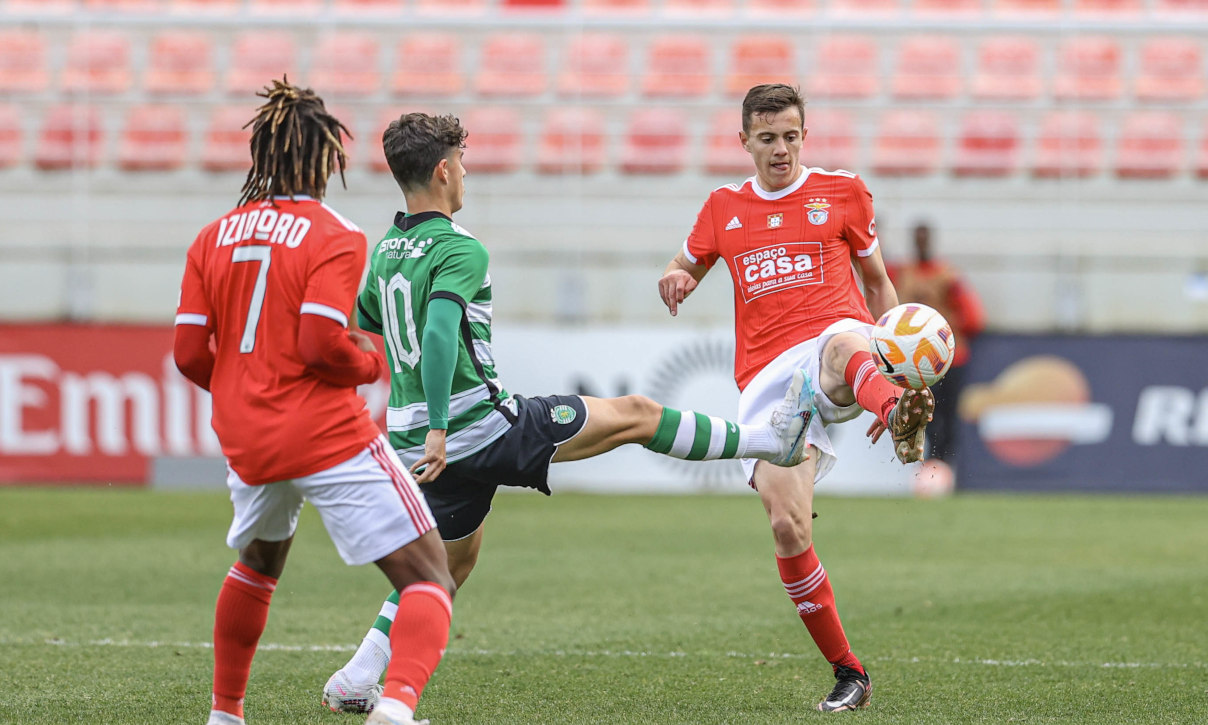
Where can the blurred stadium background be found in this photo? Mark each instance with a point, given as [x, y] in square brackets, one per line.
[1058, 148]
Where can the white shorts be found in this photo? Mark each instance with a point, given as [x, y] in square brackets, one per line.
[766, 390]
[369, 504]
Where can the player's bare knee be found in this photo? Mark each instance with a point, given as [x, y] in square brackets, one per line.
[791, 528]
[641, 416]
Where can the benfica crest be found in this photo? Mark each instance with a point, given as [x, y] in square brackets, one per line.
[818, 213]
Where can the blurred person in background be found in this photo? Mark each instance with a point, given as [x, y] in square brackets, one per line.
[794, 240]
[263, 325]
[937, 284]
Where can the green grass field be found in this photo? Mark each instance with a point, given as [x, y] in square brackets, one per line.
[594, 609]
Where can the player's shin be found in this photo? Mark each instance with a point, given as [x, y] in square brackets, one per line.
[417, 641]
[697, 437]
[369, 662]
[808, 586]
[239, 619]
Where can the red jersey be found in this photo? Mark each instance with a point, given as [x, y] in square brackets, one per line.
[249, 278]
[789, 253]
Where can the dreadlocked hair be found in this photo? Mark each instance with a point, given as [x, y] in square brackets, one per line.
[295, 145]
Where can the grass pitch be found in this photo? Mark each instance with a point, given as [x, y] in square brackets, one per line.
[593, 609]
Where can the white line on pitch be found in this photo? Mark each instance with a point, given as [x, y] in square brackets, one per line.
[475, 652]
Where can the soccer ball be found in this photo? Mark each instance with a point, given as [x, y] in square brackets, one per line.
[912, 345]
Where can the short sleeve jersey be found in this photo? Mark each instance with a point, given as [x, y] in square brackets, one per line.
[790, 255]
[424, 257]
[249, 277]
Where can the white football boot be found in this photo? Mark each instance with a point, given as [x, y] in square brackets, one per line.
[791, 418]
[341, 695]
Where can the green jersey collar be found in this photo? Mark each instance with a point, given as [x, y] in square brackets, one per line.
[406, 221]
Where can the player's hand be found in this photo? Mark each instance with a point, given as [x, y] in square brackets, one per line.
[363, 342]
[433, 460]
[674, 287]
[876, 430]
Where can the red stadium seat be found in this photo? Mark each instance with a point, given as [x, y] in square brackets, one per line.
[98, 63]
[359, 7]
[1150, 146]
[226, 141]
[864, 8]
[1107, 8]
[988, 144]
[756, 59]
[22, 62]
[532, 5]
[698, 8]
[571, 142]
[780, 8]
[1088, 69]
[907, 144]
[40, 6]
[1201, 162]
[181, 62]
[595, 65]
[512, 64]
[258, 57]
[927, 67]
[123, 6]
[206, 7]
[1181, 8]
[1170, 70]
[1069, 144]
[626, 8]
[1027, 8]
[845, 66]
[830, 142]
[1008, 69]
[677, 66]
[724, 153]
[451, 7]
[10, 137]
[946, 8]
[285, 8]
[496, 141]
[655, 142]
[428, 64]
[71, 138]
[345, 65]
[153, 139]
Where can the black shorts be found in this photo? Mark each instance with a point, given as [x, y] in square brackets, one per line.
[460, 497]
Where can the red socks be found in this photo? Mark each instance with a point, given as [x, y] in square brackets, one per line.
[417, 640]
[873, 391]
[239, 619]
[808, 586]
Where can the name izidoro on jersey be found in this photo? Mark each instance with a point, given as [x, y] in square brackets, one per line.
[266, 225]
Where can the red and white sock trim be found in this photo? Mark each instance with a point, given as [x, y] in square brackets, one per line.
[866, 370]
[244, 574]
[804, 587]
[435, 591]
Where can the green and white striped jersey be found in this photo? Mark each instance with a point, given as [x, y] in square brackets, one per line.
[426, 256]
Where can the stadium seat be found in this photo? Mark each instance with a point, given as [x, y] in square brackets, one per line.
[153, 139]
[206, 7]
[259, 56]
[907, 143]
[123, 6]
[1088, 69]
[830, 142]
[699, 8]
[98, 63]
[1027, 8]
[1180, 8]
[1170, 70]
[626, 8]
[444, 8]
[1069, 144]
[595, 65]
[345, 64]
[10, 136]
[40, 6]
[864, 8]
[512, 64]
[1201, 162]
[845, 66]
[532, 5]
[780, 8]
[359, 7]
[1116, 9]
[1149, 146]
[724, 153]
[988, 144]
[1008, 69]
[677, 66]
[656, 142]
[496, 141]
[22, 62]
[225, 146]
[946, 9]
[428, 64]
[285, 8]
[572, 141]
[927, 67]
[180, 62]
[756, 59]
[70, 138]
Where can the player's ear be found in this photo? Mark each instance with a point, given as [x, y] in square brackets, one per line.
[743, 138]
[442, 171]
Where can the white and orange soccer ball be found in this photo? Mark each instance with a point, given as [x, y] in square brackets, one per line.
[912, 345]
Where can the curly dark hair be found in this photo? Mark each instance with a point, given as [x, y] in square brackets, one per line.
[295, 145]
[768, 100]
[414, 144]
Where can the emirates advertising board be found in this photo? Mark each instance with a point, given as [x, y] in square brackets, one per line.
[1112, 413]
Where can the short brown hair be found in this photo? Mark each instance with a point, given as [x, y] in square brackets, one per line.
[768, 100]
[414, 144]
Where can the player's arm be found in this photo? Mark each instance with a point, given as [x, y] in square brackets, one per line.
[436, 365]
[336, 355]
[191, 348]
[860, 231]
[879, 291]
[679, 279]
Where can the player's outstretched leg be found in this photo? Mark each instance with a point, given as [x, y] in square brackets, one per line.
[853, 690]
[908, 423]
